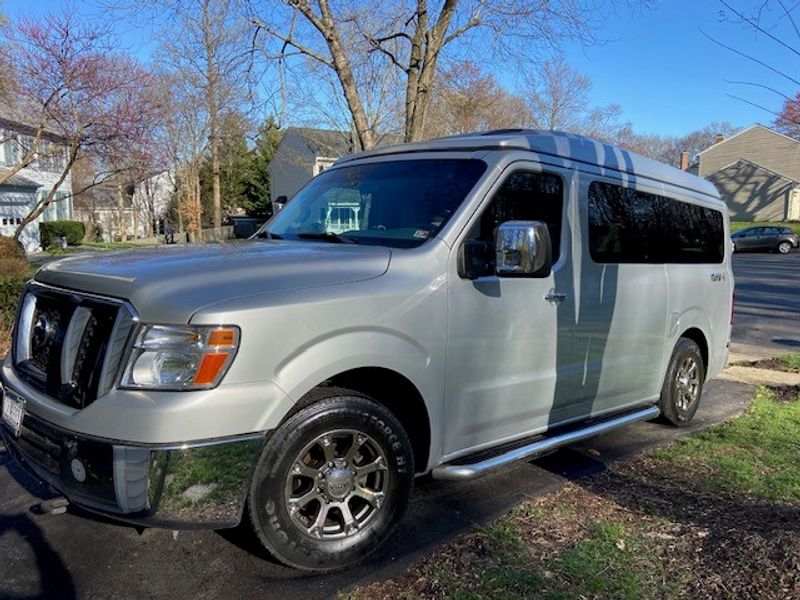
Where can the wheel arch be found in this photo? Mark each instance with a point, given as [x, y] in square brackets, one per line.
[392, 390]
[698, 337]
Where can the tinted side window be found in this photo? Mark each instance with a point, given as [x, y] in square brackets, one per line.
[623, 225]
[692, 234]
[526, 196]
[629, 226]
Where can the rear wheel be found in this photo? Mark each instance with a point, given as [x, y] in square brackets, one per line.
[683, 384]
[785, 247]
[332, 482]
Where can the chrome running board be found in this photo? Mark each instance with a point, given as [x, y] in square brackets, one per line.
[468, 470]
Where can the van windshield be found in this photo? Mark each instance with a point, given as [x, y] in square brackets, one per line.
[399, 204]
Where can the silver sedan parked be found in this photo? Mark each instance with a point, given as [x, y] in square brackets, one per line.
[771, 239]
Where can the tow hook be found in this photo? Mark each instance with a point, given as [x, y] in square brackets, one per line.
[54, 506]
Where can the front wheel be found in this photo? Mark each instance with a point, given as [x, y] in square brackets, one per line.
[785, 247]
[332, 482]
[683, 384]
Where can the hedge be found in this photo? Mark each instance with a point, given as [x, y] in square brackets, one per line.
[52, 231]
[10, 292]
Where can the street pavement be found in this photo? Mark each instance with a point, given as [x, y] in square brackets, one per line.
[767, 303]
[77, 555]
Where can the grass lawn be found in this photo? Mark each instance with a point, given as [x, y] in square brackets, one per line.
[716, 515]
[56, 251]
[756, 454]
[790, 362]
[737, 225]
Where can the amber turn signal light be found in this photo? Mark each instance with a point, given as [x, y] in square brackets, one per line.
[210, 367]
[222, 337]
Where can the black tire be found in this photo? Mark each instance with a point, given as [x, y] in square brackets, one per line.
[785, 248]
[293, 538]
[675, 390]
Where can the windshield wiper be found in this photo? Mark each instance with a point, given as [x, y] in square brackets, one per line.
[267, 235]
[327, 236]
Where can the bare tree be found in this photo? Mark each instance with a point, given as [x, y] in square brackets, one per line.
[466, 99]
[185, 140]
[80, 91]
[413, 36]
[559, 97]
[210, 55]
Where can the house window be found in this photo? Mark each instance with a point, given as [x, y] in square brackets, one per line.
[10, 149]
[321, 163]
[51, 156]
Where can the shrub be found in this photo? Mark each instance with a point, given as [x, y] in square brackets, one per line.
[14, 268]
[10, 248]
[10, 291]
[52, 231]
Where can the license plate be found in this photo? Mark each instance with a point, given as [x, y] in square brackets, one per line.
[13, 411]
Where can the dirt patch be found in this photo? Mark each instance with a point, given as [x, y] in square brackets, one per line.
[785, 393]
[775, 364]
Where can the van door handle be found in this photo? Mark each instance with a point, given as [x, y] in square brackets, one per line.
[555, 297]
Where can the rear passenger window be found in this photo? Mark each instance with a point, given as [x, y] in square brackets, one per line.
[630, 226]
[526, 196]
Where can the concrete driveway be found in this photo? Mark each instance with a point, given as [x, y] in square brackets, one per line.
[76, 555]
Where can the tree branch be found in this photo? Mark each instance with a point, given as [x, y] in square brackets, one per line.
[292, 42]
[751, 58]
[757, 26]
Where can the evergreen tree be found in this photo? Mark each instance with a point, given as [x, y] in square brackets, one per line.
[235, 167]
[258, 188]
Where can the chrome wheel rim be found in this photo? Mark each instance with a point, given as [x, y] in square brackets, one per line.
[337, 484]
[687, 383]
[784, 248]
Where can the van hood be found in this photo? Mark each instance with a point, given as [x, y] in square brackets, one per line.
[169, 284]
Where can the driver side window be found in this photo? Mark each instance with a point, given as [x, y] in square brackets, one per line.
[525, 196]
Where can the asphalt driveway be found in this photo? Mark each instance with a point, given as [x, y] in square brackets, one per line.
[76, 555]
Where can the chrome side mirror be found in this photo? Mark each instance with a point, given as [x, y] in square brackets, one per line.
[523, 249]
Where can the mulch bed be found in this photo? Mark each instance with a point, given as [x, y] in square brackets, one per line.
[708, 546]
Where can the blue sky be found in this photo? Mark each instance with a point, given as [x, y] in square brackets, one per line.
[657, 64]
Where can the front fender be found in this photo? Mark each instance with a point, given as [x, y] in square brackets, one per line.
[338, 352]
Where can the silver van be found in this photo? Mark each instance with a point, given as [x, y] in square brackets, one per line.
[445, 307]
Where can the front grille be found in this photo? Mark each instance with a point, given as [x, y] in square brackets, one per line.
[68, 345]
[50, 451]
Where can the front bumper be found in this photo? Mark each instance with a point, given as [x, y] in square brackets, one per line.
[183, 486]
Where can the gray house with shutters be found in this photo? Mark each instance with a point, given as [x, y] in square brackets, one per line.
[757, 173]
[20, 193]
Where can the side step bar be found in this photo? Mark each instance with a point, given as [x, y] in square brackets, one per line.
[455, 472]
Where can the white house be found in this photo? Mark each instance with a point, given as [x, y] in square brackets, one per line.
[141, 214]
[152, 196]
[20, 193]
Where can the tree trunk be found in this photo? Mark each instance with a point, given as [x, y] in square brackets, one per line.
[212, 102]
[325, 23]
[123, 229]
[426, 44]
[198, 215]
[40, 206]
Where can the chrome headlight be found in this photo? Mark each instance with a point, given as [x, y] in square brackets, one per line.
[167, 357]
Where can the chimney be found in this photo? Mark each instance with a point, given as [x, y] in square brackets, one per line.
[719, 138]
[684, 161]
